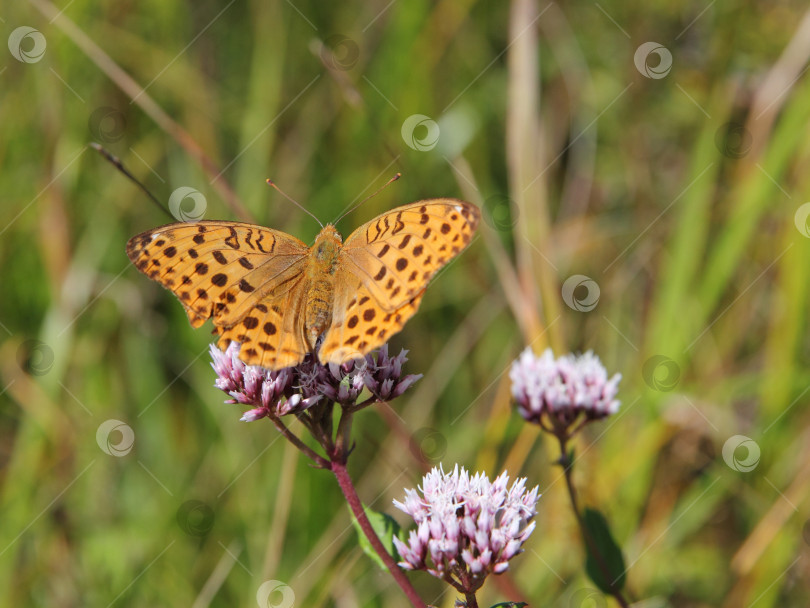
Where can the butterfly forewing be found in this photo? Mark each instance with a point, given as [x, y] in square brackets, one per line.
[397, 253]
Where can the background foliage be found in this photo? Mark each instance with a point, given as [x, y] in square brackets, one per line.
[676, 195]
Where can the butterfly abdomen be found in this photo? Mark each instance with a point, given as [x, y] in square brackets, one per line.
[321, 283]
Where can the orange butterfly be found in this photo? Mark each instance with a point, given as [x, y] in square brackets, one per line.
[276, 296]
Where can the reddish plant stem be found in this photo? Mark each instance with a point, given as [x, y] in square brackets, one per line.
[319, 461]
[594, 550]
[470, 600]
[347, 487]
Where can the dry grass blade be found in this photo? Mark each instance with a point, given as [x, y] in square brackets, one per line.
[127, 84]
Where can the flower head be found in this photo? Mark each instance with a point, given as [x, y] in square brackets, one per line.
[270, 392]
[295, 389]
[377, 372]
[561, 390]
[467, 526]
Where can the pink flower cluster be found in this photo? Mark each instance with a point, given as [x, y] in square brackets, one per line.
[562, 389]
[467, 526]
[270, 392]
[295, 389]
[377, 372]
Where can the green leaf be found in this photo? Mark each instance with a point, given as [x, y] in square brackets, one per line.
[386, 528]
[599, 531]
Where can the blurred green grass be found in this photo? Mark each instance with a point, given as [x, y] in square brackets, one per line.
[689, 235]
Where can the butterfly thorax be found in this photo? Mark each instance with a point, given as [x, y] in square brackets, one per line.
[321, 269]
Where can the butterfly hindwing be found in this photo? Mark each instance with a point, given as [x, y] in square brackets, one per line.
[272, 331]
[359, 322]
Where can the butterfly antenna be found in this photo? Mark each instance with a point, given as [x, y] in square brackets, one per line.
[116, 162]
[372, 195]
[270, 182]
